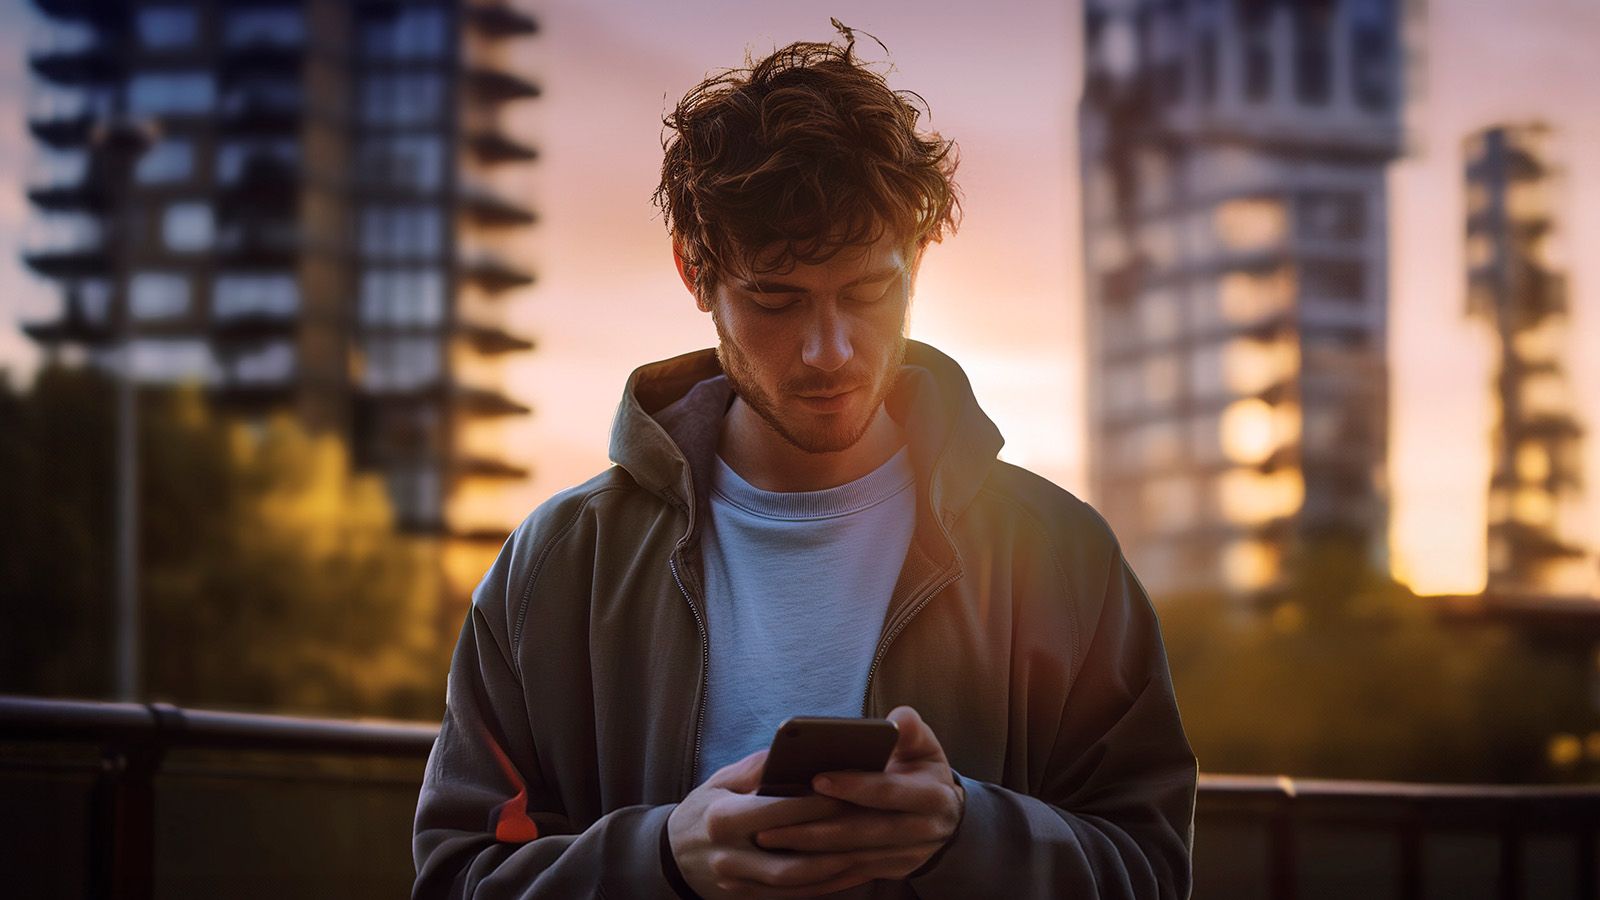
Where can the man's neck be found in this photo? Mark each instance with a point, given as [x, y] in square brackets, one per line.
[764, 458]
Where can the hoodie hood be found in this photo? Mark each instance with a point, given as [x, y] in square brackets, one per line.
[668, 423]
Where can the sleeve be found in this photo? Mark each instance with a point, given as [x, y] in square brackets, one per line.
[487, 823]
[1114, 817]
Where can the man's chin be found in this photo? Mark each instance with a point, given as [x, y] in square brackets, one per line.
[833, 439]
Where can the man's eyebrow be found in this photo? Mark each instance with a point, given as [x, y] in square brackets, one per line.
[780, 287]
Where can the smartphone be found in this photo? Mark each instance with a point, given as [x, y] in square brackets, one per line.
[806, 746]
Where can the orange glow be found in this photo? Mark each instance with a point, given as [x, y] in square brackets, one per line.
[1248, 296]
[1249, 497]
[1250, 564]
[1247, 431]
[1251, 224]
[1253, 366]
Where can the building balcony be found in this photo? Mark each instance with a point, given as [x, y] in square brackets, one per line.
[70, 329]
[489, 339]
[479, 401]
[63, 118]
[255, 325]
[484, 207]
[100, 11]
[494, 85]
[499, 20]
[122, 798]
[65, 193]
[74, 54]
[492, 273]
[489, 146]
[60, 253]
[468, 399]
[488, 467]
[484, 537]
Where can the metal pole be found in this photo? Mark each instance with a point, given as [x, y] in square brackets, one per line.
[119, 142]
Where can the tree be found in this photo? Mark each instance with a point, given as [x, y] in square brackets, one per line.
[271, 576]
[1351, 676]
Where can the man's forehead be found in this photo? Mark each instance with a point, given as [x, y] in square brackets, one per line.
[848, 261]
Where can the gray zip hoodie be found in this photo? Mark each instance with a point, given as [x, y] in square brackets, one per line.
[575, 698]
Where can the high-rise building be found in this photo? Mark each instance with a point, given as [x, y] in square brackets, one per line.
[1233, 157]
[313, 230]
[1514, 283]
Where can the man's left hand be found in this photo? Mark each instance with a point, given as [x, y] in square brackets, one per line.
[915, 803]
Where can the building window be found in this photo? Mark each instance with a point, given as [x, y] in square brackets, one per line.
[1313, 53]
[93, 299]
[263, 95]
[1208, 68]
[416, 33]
[401, 297]
[159, 295]
[266, 294]
[1246, 297]
[400, 363]
[402, 230]
[173, 360]
[1251, 223]
[414, 488]
[1371, 24]
[262, 158]
[167, 27]
[1255, 31]
[411, 161]
[168, 162]
[402, 99]
[188, 226]
[171, 93]
[269, 363]
[1333, 279]
[1331, 215]
[264, 27]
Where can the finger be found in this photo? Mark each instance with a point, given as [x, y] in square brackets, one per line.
[917, 741]
[778, 870]
[852, 831]
[916, 792]
[743, 776]
[879, 864]
[733, 818]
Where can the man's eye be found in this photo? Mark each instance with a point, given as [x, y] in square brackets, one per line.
[770, 307]
[882, 295]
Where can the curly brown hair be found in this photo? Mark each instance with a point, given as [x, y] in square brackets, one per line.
[807, 152]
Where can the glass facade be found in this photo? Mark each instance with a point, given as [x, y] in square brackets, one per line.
[296, 228]
[1235, 280]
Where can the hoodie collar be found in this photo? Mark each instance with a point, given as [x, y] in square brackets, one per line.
[667, 425]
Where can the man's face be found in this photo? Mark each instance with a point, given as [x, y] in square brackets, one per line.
[814, 349]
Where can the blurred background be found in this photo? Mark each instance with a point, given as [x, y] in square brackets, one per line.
[309, 302]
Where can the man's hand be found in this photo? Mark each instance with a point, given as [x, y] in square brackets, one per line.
[710, 834]
[905, 813]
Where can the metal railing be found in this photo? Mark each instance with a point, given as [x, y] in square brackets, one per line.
[154, 774]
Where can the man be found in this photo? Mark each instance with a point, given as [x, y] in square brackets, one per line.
[809, 520]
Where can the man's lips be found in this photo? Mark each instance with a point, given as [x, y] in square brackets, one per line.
[827, 401]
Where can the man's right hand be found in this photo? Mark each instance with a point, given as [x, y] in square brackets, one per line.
[711, 835]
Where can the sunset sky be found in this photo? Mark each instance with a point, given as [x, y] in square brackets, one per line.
[1003, 295]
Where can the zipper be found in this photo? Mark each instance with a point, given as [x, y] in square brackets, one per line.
[705, 669]
[883, 646]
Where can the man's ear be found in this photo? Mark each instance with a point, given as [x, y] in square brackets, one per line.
[686, 274]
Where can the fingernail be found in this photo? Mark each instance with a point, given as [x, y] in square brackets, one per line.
[823, 784]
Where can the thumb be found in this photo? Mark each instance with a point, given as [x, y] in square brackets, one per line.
[917, 741]
[743, 776]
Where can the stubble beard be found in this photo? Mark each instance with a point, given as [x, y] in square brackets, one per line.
[741, 374]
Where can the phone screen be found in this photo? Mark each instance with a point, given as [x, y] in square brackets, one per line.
[806, 746]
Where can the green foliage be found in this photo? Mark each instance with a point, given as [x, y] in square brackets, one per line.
[1352, 676]
[271, 576]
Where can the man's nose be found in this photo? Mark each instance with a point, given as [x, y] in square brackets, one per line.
[827, 344]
